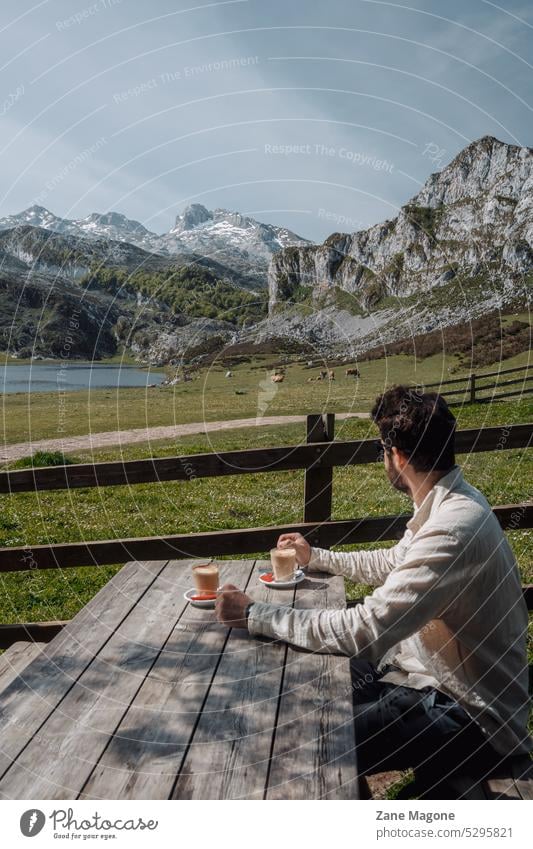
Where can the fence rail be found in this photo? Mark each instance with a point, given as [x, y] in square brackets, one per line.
[472, 387]
[323, 534]
[312, 456]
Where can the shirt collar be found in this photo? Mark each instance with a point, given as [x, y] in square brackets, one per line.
[450, 481]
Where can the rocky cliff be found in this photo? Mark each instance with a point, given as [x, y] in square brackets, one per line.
[472, 219]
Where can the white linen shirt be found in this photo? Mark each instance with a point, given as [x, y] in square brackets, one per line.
[447, 612]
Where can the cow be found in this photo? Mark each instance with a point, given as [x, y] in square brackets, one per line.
[323, 375]
[331, 374]
[352, 372]
[228, 374]
[277, 378]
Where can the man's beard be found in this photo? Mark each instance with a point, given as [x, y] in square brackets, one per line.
[397, 480]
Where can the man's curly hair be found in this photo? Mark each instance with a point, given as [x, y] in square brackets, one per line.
[419, 424]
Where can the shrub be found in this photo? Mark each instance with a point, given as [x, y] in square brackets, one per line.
[43, 458]
[478, 343]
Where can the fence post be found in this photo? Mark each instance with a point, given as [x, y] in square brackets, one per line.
[318, 485]
[472, 388]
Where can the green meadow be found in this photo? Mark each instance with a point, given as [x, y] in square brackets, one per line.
[210, 396]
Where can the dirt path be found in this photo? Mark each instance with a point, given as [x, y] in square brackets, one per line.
[70, 444]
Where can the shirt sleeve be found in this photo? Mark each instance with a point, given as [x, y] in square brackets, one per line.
[364, 567]
[427, 581]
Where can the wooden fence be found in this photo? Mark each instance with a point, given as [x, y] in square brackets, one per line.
[473, 389]
[318, 457]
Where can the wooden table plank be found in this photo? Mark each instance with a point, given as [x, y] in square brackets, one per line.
[56, 763]
[230, 750]
[16, 658]
[313, 756]
[28, 701]
[147, 750]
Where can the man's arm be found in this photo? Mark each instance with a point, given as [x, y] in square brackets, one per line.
[430, 577]
[366, 567]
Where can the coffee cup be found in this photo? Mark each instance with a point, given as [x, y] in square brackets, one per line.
[205, 577]
[283, 563]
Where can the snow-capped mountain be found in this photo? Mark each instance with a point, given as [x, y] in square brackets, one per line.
[109, 225]
[234, 240]
[36, 216]
[200, 230]
[113, 225]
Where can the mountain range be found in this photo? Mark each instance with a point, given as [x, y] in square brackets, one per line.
[459, 249]
[238, 242]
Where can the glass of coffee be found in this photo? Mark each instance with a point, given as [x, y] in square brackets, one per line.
[205, 577]
[283, 563]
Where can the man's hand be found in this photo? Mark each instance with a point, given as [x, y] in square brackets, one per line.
[298, 542]
[230, 606]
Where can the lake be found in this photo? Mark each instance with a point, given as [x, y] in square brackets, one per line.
[68, 377]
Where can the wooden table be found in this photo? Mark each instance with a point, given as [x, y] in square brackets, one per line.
[143, 696]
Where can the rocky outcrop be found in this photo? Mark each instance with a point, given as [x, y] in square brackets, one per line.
[47, 317]
[182, 344]
[474, 217]
[191, 217]
[48, 311]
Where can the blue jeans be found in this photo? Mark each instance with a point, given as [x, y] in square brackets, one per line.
[399, 727]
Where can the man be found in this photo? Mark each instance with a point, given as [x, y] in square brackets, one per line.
[438, 650]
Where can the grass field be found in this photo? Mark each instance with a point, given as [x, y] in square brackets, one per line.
[210, 504]
[211, 397]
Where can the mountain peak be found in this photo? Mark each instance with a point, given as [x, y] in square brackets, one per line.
[477, 169]
[37, 212]
[487, 148]
[192, 216]
[482, 147]
[114, 220]
[36, 209]
[485, 142]
[470, 222]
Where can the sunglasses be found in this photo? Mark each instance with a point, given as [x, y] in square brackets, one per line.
[380, 449]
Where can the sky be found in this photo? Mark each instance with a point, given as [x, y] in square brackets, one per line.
[315, 116]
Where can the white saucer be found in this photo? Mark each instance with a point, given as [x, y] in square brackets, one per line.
[208, 603]
[281, 585]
